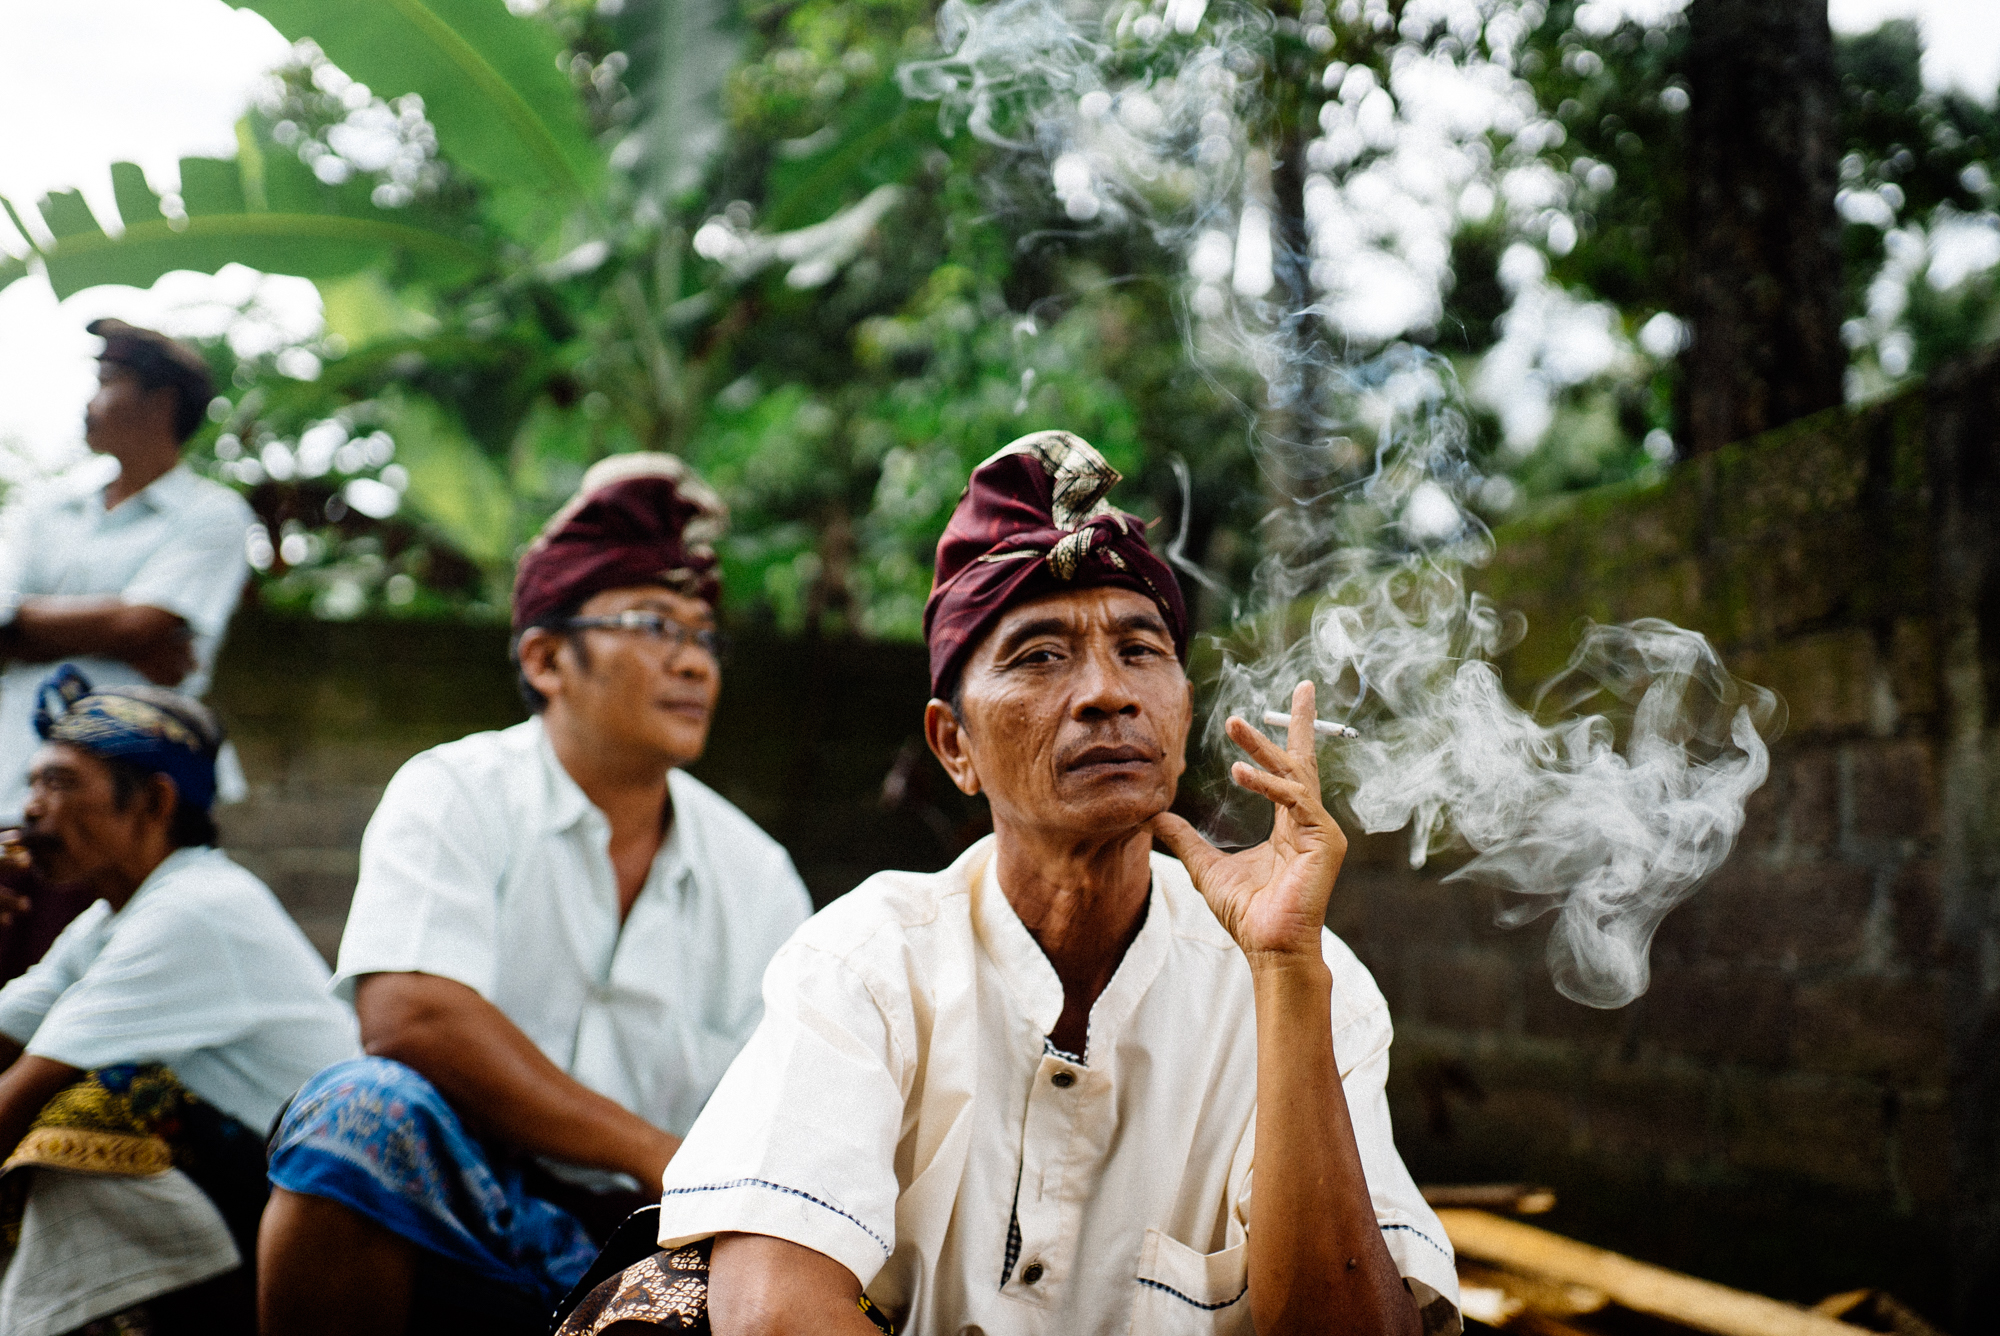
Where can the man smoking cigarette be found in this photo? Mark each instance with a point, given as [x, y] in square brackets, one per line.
[1032, 1092]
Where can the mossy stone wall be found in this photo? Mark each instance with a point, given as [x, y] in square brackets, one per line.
[1788, 1107]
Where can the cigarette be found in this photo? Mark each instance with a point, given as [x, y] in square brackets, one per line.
[1279, 719]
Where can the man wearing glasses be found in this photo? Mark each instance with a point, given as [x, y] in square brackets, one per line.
[555, 951]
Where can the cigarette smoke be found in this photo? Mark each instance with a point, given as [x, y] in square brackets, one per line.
[1622, 789]
[1607, 803]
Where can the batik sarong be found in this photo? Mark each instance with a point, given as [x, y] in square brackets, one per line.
[134, 1120]
[129, 1190]
[668, 1290]
[379, 1139]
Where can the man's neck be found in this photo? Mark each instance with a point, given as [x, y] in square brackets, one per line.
[628, 785]
[117, 884]
[138, 470]
[1083, 900]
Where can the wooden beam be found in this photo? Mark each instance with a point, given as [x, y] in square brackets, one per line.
[1500, 1198]
[1644, 1288]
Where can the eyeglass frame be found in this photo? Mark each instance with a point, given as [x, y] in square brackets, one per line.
[654, 626]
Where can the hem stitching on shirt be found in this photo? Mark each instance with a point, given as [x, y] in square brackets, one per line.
[1420, 1234]
[780, 1187]
[1168, 1289]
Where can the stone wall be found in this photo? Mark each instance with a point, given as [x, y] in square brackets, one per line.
[1780, 1111]
[805, 737]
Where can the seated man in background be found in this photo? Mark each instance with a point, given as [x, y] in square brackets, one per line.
[554, 949]
[1027, 1093]
[153, 1046]
[133, 579]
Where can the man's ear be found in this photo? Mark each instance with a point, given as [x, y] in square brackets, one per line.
[161, 796]
[537, 652]
[949, 743]
[162, 403]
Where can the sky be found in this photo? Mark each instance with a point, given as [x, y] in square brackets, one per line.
[169, 78]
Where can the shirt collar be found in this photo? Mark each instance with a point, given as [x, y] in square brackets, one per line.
[170, 490]
[1032, 980]
[684, 836]
[169, 867]
[567, 804]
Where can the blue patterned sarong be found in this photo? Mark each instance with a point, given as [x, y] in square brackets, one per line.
[379, 1139]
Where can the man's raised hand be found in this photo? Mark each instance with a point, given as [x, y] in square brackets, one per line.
[1271, 897]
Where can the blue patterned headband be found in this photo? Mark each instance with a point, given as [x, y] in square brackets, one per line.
[150, 727]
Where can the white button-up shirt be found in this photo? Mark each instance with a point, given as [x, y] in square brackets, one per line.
[201, 970]
[899, 1110]
[485, 863]
[176, 544]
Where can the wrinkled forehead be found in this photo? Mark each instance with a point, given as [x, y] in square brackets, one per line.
[1071, 614]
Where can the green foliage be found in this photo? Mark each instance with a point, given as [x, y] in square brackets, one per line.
[504, 113]
[269, 212]
[722, 230]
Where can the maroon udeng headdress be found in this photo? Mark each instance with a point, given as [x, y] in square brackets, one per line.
[637, 519]
[1033, 521]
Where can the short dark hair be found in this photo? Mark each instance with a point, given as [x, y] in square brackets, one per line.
[192, 826]
[189, 411]
[157, 363]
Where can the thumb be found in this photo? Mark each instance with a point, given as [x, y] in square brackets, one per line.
[1184, 842]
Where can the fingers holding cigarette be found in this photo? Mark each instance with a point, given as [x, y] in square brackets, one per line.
[1279, 719]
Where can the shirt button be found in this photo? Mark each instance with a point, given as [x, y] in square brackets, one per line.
[1032, 1273]
[1063, 1080]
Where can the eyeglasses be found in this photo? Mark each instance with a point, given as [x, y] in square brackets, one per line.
[654, 626]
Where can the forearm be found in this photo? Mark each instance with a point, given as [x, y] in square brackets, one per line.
[494, 1075]
[762, 1286]
[1317, 1259]
[55, 626]
[28, 1084]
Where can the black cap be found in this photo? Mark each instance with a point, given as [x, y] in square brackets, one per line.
[157, 359]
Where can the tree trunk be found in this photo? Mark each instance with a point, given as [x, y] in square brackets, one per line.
[1962, 420]
[1764, 280]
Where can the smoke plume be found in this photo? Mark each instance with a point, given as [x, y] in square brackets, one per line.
[1622, 788]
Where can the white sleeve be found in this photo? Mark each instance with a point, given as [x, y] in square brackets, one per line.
[18, 524]
[1361, 1038]
[26, 1000]
[198, 573]
[428, 898]
[799, 1140]
[168, 982]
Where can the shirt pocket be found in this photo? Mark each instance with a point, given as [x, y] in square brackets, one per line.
[1185, 1292]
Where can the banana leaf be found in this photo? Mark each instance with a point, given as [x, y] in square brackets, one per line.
[505, 113]
[268, 212]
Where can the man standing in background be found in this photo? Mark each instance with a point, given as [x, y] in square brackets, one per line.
[133, 580]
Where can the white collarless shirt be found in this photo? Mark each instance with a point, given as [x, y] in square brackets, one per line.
[201, 970]
[899, 1111]
[485, 863]
[176, 544]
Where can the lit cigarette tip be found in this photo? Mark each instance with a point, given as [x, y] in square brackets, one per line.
[1279, 719]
